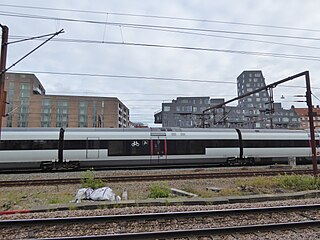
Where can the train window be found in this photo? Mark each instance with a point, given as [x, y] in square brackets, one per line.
[93, 144]
[222, 143]
[176, 147]
[137, 147]
[74, 144]
[116, 148]
[183, 147]
[275, 143]
[44, 144]
[197, 147]
[29, 144]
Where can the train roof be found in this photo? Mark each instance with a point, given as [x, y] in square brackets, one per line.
[174, 129]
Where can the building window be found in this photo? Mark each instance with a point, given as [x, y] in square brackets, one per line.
[24, 103]
[46, 113]
[94, 114]
[62, 113]
[10, 105]
[101, 119]
[186, 108]
[285, 119]
[83, 114]
[166, 108]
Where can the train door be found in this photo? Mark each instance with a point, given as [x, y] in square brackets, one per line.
[92, 148]
[158, 150]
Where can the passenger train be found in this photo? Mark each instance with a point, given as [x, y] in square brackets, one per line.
[52, 148]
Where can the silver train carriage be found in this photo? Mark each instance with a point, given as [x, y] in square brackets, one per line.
[47, 148]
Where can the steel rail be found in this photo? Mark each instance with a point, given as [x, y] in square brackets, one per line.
[156, 177]
[199, 232]
[173, 233]
[156, 216]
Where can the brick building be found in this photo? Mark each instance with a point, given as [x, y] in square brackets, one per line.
[29, 106]
[304, 118]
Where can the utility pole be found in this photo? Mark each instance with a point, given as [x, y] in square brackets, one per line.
[311, 125]
[3, 60]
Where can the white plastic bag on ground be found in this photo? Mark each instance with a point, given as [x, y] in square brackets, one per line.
[104, 193]
[83, 193]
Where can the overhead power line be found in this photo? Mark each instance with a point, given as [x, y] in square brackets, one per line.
[161, 17]
[233, 38]
[124, 24]
[127, 77]
[144, 78]
[254, 53]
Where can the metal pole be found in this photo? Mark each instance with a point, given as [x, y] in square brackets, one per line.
[3, 59]
[271, 103]
[311, 125]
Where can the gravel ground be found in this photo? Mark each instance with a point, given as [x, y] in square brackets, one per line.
[17, 198]
[156, 209]
[35, 196]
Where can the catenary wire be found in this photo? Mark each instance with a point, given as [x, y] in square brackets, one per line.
[254, 53]
[161, 17]
[143, 77]
[124, 24]
[228, 37]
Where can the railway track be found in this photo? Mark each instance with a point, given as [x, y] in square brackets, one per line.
[156, 177]
[167, 225]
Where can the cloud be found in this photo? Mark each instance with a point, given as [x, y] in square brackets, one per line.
[143, 97]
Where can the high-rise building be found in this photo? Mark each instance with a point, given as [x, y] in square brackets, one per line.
[28, 105]
[249, 81]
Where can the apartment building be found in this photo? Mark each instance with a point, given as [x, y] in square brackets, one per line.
[30, 106]
[254, 111]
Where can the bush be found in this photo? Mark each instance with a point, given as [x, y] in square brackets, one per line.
[88, 180]
[161, 190]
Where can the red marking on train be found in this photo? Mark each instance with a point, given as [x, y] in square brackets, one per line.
[165, 147]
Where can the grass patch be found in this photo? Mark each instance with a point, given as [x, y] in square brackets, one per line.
[258, 182]
[299, 182]
[159, 190]
[288, 182]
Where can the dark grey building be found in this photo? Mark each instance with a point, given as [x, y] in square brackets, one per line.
[255, 111]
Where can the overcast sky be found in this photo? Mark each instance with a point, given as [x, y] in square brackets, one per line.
[117, 39]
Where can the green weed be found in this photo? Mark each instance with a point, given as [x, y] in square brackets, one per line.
[88, 180]
[161, 190]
